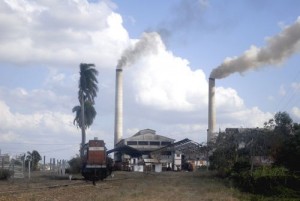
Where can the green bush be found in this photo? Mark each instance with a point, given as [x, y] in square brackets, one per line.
[75, 165]
[241, 166]
[268, 181]
[265, 171]
[5, 174]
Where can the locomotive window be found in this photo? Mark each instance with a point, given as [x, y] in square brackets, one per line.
[154, 143]
[131, 142]
[143, 142]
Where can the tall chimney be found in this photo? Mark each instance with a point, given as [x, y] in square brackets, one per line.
[118, 106]
[211, 110]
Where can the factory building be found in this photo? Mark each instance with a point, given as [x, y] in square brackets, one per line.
[140, 145]
[148, 151]
[146, 141]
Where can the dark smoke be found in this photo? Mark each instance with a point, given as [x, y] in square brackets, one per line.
[146, 45]
[277, 49]
[185, 16]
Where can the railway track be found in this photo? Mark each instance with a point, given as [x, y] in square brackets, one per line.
[43, 186]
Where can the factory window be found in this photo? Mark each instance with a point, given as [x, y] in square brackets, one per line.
[166, 153]
[165, 143]
[154, 143]
[131, 142]
[143, 142]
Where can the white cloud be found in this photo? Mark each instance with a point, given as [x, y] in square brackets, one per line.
[296, 112]
[20, 133]
[64, 33]
[228, 100]
[28, 101]
[36, 123]
[248, 117]
[166, 82]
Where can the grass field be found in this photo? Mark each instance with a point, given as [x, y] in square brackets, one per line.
[124, 186]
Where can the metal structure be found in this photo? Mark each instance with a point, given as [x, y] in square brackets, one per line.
[126, 150]
[186, 147]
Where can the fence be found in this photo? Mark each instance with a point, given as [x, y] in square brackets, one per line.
[17, 166]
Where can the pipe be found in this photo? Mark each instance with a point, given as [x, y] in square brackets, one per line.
[118, 106]
[211, 110]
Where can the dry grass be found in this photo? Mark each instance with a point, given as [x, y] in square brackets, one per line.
[125, 186]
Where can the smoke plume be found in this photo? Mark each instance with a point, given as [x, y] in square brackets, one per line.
[146, 45]
[277, 49]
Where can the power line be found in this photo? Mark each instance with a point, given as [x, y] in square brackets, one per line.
[286, 100]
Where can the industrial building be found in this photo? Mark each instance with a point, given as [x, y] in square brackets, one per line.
[137, 148]
[148, 151]
[146, 141]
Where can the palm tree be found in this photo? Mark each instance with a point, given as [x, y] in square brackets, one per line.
[33, 158]
[89, 114]
[87, 92]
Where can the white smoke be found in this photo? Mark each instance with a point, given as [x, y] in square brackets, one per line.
[146, 45]
[277, 49]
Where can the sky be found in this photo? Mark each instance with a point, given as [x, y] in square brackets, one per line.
[42, 44]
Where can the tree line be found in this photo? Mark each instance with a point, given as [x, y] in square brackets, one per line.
[233, 155]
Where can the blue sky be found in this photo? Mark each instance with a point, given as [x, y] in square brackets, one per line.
[42, 44]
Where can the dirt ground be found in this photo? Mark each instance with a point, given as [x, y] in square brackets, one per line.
[124, 186]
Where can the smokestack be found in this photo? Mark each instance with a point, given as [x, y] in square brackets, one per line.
[211, 110]
[119, 106]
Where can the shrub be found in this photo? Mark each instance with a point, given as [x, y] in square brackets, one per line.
[75, 165]
[267, 171]
[5, 174]
[241, 166]
[268, 181]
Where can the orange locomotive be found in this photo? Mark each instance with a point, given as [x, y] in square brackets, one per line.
[96, 165]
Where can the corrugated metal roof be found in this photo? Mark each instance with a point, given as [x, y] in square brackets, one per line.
[126, 150]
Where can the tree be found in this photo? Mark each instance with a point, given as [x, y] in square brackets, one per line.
[87, 92]
[89, 116]
[224, 153]
[283, 129]
[33, 158]
[290, 150]
[283, 123]
[290, 153]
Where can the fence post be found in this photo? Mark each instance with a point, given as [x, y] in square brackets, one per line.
[44, 167]
[29, 169]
